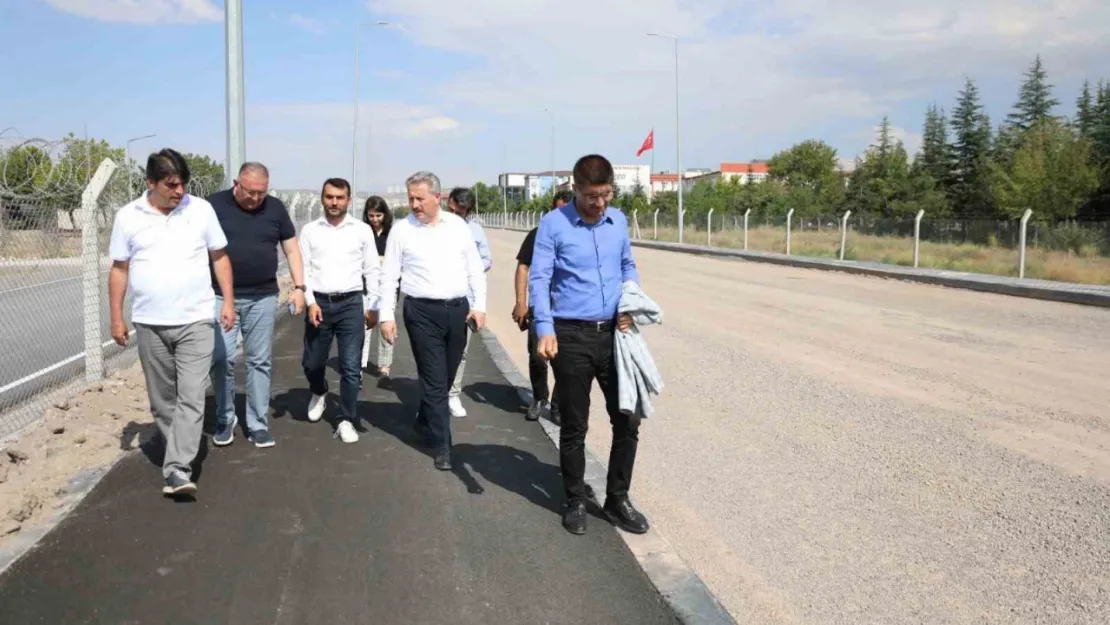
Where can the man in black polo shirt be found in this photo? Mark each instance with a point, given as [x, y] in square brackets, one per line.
[522, 315]
[255, 223]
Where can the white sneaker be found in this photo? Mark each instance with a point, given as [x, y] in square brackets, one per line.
[316, 407]
[454, 404]
[346, 432]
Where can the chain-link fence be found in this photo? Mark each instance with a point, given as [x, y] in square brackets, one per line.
[55, 224]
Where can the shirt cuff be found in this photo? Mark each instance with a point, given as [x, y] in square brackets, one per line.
[545, 328]
[370, 303]
[309, 298]
[385, 314]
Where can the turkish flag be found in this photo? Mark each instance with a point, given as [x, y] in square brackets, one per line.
[649, 143]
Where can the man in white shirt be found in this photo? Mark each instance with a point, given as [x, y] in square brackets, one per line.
[339, 253]
[160, 247]
[433, 256]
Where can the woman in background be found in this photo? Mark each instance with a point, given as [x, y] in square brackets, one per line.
[463, 203]
[377, 215]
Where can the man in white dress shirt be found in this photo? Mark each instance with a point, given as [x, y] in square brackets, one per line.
[338, 252]
[433, 256]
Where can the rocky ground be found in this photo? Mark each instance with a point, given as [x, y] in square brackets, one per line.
[84, 432]
[87, 431]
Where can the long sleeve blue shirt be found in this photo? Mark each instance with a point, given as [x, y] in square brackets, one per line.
[578, 268]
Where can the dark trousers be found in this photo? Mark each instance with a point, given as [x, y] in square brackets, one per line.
[437, 331]
[345, 320]
[585, 354]
[537, 368]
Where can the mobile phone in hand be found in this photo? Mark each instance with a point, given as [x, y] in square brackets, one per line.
[472, 323]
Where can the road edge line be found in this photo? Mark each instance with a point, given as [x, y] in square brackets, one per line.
[683, 590]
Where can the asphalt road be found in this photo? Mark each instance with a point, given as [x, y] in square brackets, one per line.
[837, 449]
[315, 531]
[43, 309]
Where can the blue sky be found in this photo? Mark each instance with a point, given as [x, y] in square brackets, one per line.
[460, 87]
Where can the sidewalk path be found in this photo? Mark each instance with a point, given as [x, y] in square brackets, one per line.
[315, 531]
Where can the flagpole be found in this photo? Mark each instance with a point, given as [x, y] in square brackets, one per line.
[651, 186]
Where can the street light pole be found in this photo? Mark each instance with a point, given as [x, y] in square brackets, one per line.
[677, 132]
[552, 116]
[354, 127]
[130, 170]
[236, 112]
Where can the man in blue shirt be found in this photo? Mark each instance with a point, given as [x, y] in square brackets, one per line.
[582, 257]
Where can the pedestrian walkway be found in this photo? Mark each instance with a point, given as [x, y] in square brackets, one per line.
[314, 531]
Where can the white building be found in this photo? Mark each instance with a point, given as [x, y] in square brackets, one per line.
[626, 177]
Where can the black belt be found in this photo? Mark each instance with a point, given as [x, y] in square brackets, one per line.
[599, 326]
[334, 297]
[454, 301]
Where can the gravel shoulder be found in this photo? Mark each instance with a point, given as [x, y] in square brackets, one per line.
[838, 449]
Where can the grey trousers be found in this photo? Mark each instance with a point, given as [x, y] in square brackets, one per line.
[176, 361]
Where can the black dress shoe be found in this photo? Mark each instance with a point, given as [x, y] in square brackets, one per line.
[574, 519]
[623, 515]
[443, 460]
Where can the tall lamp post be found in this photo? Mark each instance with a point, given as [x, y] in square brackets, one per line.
[130, 179]
[236, 111]
[354, 128]
[551, 115]
[677, 131]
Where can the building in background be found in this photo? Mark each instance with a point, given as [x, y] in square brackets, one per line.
[524, 187]
[627, 177]
[755, 171]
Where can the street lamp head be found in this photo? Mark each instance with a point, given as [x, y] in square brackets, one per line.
[661, 35]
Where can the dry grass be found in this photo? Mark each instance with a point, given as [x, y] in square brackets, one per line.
[1089, 268]
[38, 244]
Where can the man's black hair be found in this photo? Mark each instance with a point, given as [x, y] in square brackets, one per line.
[338, 183]
[165, 163]
[464, 199]
[566, 196]
[593, 170]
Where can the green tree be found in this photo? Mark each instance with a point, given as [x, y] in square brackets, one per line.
[207, 176]
[935, 158]
[1035, 101]
[24, 171]
[970, 192]
[76, 166]
[1085, 112]
[809, 174]
[1051, 173]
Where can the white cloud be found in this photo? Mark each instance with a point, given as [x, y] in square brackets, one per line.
[142, 11]
[311, 24]
[307, 142]
[755, 76]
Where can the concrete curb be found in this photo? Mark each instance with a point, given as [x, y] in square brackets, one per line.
[1067, 292]
[678, 584]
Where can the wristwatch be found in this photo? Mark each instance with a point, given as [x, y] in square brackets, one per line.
[299, 286]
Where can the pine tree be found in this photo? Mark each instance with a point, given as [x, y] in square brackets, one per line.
[971, 129]
[1035, 101]
[1100, 125]
[935, 158]
[1084, 112]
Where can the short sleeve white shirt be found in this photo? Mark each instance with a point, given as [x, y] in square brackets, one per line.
[168, 255]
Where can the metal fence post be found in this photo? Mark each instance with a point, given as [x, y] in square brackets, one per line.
[844, 233]
[636, 224]
[655, 220]
[789, 218]
[681, 219]
[91, 269]
[746, 214]
[709, 228]
[917, 237]
[1024, 227]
